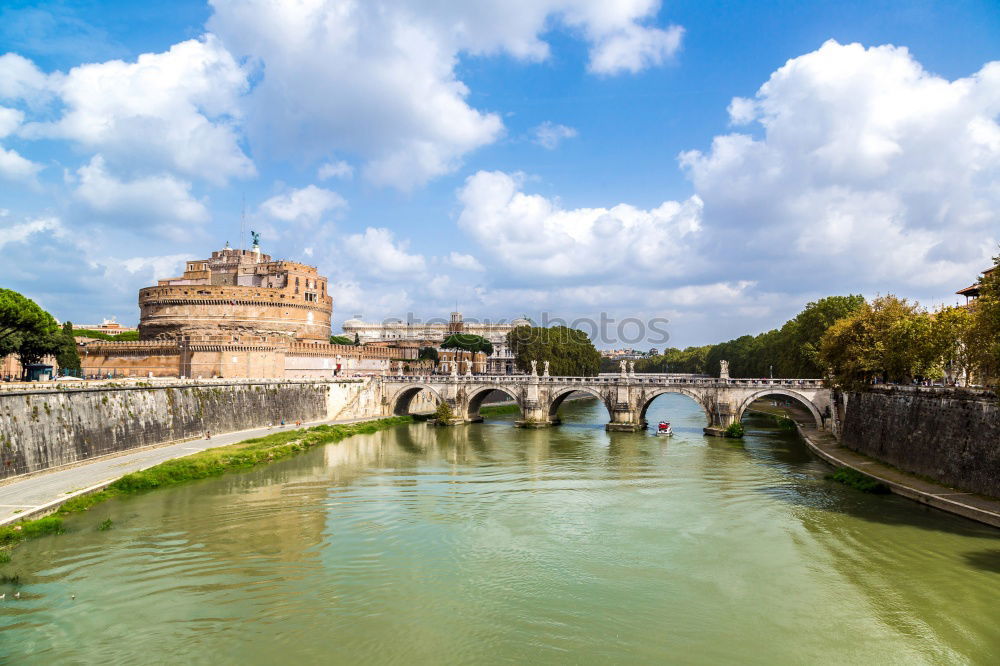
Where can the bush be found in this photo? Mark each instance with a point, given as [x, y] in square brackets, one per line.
[444, 413]
[858, 481]
[735, 430]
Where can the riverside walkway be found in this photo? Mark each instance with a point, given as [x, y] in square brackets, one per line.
[37, 494]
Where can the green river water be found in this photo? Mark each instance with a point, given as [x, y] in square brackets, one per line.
[491, 544]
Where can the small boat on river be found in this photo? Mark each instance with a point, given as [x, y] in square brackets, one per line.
[664, 429]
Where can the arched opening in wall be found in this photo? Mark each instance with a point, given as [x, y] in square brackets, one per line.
[780, 408]
[415, 400]
[684, 412]
[579, 406]
[491, 402]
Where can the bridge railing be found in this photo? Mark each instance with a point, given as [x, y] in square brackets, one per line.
[653, 380]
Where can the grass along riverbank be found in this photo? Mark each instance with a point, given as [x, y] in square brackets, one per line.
[202, 465]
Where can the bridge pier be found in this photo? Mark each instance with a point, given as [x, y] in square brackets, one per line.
[534, 415]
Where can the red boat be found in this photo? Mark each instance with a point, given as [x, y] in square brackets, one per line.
[664, 428]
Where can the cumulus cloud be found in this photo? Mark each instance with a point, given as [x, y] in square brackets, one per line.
[21, 231]
[870, 171]
[535, 237]
[465, 262]
[177, 110]
[14, 166]
[305, 205]
[157, 201]
[377, 79]
[377, 253]
[548, 135]
[340, 169]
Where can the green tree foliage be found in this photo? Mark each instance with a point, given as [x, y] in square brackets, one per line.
[21, 318]
[67, 357]
[124, 336]
[569, 351]
[340, 340]
[689, 360]
[428, 354]
[444, 413]
[985, 329]
[468, 342]
[890, 339]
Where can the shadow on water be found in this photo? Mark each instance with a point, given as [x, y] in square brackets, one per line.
[809, 487]
[986, 560]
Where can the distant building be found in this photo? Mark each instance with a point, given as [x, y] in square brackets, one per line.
[972, 293]
[108, 326]
[433, 333]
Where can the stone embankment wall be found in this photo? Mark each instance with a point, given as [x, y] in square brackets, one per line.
[50, 427]
[950, 436]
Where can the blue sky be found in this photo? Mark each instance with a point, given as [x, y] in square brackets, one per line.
[716, 164]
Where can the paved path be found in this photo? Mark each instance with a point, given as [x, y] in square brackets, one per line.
[40, 493]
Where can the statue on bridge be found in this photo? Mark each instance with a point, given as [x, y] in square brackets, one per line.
[723, 369]
[468, 368]
[454, 367]
[545, 372]
[631, 368]
[624, 367]
[534, 368]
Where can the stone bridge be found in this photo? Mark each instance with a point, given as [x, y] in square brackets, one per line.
[626, 396]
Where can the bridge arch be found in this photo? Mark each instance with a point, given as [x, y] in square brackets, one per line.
[649, 397]
[798, 397]
[401, 399]
[476, 395]
[559, 397]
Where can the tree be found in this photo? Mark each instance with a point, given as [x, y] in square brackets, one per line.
[21, 317]
[67, 358]
[889, 338]
[569, 351]
[985, 331]
[468, 342]
[428, 354]
[340, 340]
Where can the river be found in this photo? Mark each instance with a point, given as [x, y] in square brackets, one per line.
[492, 544]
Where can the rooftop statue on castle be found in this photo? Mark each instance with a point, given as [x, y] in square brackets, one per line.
[255, 238]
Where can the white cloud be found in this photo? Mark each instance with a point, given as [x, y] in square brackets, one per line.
[871, 171]
[633, 48]
[465, 262]
[10, 120]
[377, 79]
[13, 166]
[340, 169]
[178, 109]
[379, 254]
[536, 238]
[20, 232]
[548, 135]
[304, 205]
[21, 79]
[156, 200]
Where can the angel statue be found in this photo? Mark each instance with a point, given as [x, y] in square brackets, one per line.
[546, 370]
[534, 368]
[631, 368]
[255, 238]
[624, 366]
